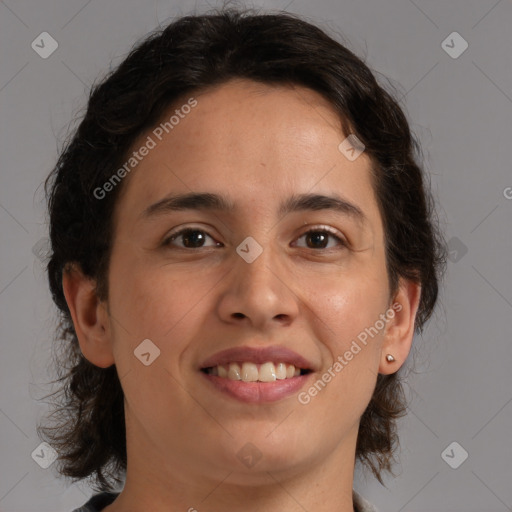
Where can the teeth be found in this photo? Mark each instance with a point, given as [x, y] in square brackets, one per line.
[267, 372]
[234, 372]
[281, 371]
[251, 372]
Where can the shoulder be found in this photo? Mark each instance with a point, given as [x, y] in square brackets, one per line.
[360, 504]
[98, 502]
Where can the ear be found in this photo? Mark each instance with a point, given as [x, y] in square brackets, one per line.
[400, 327]
[90, 316]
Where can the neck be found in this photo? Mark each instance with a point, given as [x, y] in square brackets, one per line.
[162, 480]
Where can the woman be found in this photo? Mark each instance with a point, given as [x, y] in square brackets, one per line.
[243, 248]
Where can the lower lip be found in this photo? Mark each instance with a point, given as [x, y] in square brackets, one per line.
[258, 392]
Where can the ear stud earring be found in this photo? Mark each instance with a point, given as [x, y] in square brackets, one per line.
[389, 358]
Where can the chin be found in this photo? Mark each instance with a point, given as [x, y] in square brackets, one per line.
[252, 458]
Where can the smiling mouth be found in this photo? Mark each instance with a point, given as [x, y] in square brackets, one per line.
[252, 372]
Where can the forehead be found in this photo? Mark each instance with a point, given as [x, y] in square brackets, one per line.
[252, 142]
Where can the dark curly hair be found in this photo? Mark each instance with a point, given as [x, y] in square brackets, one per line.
[189, 55]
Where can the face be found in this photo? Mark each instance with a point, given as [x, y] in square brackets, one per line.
[307, 280]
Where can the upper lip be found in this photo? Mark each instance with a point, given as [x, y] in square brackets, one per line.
[257, 355]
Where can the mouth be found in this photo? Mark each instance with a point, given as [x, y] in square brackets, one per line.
[247, 371]
[257, 374]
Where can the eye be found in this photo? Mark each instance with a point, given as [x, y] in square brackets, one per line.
[318, 238]
[192, 238]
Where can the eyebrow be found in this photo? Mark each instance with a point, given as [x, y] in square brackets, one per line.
[295, 203]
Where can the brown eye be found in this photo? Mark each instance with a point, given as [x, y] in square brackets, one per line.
[319, 239]
[192, 238]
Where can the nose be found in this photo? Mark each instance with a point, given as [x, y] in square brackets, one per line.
[260, 294]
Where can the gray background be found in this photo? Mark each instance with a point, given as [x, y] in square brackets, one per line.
[460, 108]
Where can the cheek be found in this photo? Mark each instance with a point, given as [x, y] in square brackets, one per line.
[348, 323]
[352, 332]
[347, 307]
[153, 304]
[155, 301]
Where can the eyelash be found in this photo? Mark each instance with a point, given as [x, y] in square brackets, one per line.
[174, 236]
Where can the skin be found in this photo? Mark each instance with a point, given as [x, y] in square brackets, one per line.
[256, 144]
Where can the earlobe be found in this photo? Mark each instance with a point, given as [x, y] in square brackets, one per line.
[400, 329]
[90, 318]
